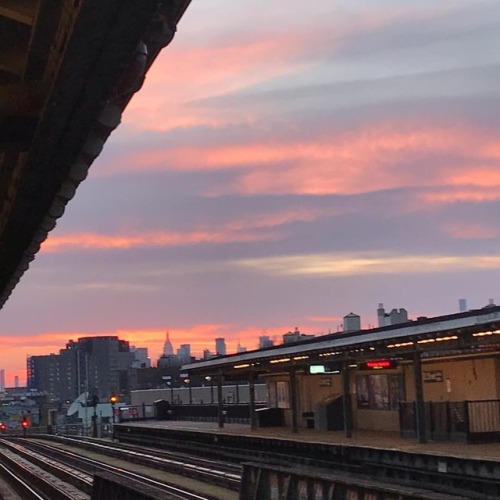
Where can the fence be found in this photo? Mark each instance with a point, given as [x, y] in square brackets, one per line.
[454, 420]
[233, 413]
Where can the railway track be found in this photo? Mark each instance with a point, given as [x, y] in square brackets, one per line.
[54, 473]
[39, 483]
[218, 472]
[394, 468]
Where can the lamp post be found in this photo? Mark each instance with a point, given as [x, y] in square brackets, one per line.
[209, 379]
[113, 399]
[170, 383]
[188, 382]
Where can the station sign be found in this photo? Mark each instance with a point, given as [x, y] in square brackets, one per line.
[378, 364]
[332, 367]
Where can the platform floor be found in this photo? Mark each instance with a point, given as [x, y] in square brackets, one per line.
[368, 439]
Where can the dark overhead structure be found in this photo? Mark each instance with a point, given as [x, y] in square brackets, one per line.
[475, 332]
[68, 68]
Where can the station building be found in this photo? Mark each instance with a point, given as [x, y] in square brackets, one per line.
[433, 378]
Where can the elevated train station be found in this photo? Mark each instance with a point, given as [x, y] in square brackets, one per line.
[434, 378]
[68, 69]
[414, 405]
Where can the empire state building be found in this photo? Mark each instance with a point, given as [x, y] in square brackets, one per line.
[168, 349]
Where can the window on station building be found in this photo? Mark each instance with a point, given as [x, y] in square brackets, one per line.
[380, 391]
[279, 394]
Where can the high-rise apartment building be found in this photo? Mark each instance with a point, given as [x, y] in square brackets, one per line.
[184, 353]
[43, 372]
[100, 366]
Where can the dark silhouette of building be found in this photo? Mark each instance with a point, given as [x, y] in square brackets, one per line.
[100, 366]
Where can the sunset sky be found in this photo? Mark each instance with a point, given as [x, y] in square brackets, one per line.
[285, 163]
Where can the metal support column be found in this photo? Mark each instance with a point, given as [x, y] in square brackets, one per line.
[251, 390]
[419, 398]
[348, 424]
[220, 402]
[293, 399]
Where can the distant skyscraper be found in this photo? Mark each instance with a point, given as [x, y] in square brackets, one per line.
[241, 348]
[395, 317]
[2, 380]
[265, 341]
[168, 349]
[220, 347]
[184, 353]
[462, 305]
[141, 357]
[16, 381]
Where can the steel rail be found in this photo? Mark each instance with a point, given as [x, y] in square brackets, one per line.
[212, 471]
[88, 465]
[19, 484]
[35, 486]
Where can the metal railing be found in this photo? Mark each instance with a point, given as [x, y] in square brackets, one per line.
[453, 420]
[233, 413]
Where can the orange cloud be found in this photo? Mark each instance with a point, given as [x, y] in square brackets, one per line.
[16, 349]
[350, 162]
[244, 229]
[149, 240]
[325, 319]
[481, 177]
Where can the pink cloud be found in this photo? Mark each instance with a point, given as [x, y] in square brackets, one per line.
[150, 240]
[478, 231]
[279, 218]
[184, 74]
[360, 161]
[227, 60]
[475, 194]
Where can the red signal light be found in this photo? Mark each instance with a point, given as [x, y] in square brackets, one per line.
[25, 424]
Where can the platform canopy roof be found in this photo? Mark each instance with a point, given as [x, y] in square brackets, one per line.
[68, 68]
[470, 333]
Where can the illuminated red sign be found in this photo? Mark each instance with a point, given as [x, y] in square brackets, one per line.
[379, 364]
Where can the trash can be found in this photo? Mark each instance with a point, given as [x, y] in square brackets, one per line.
[270, 417]
[309, 417]
[329, 413]
[163, 410]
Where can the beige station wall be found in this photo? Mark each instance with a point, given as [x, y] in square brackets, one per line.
[468, 379]
[310, 390]
[463, 380]
[315, 388]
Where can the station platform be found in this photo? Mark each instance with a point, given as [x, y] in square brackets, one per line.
[276, 455]
[374, 440]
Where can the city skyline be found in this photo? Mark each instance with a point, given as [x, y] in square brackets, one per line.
[282, 168]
